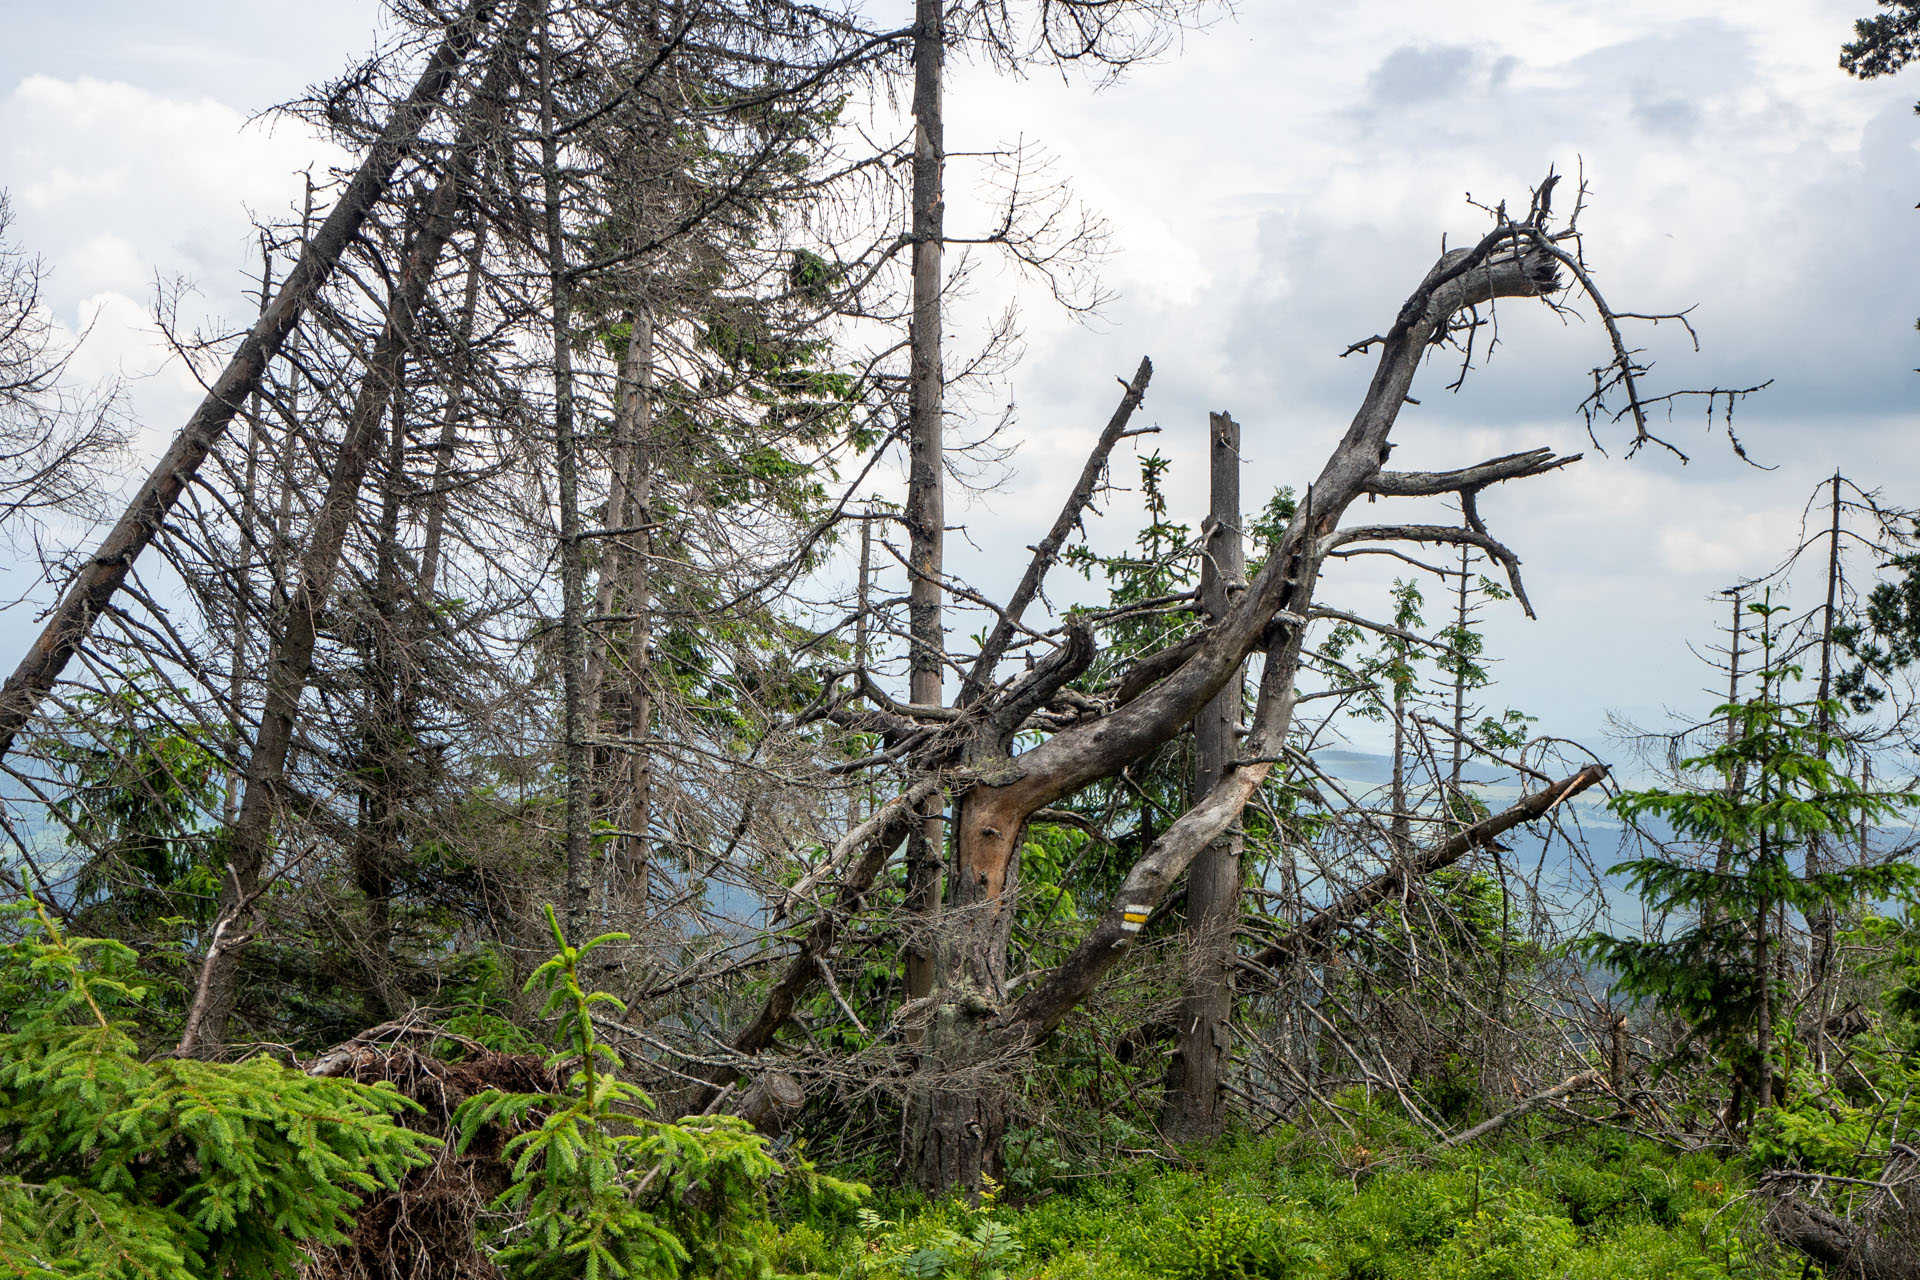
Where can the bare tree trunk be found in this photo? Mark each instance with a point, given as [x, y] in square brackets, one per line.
[444, 447]
[1194, 1110]
[635, 860]
[1460, 618]
[243, 571]
[1399, 824]
[1844, 1248]
[103, 572]
[573, 639]
[1723, 855]
[1821, 920]
[1763, 1022]
[384, 737]
[1591, 1079]
[926, 479]
[291, 659]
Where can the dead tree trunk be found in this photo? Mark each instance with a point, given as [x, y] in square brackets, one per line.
[1193, 1110]
[956, 1118]
[926, 469]
[1821, 921]
[451, 419]
[625, 589]
[573, 637]
[291, 660]
[103, 572]
[385, 735]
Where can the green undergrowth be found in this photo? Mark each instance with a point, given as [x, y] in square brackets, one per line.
[1365, 1208]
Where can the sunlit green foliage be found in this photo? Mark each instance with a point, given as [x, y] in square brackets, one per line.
[1374, 1205]
[1746, 807]
[113, 1167]
[602, 1190]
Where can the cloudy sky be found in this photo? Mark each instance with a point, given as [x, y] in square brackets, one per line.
[1275, 185]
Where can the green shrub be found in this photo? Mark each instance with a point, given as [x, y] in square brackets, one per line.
[174, 1169]
[600, 1189]
[1236, 1238]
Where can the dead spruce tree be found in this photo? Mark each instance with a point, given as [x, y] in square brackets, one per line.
[101, 576]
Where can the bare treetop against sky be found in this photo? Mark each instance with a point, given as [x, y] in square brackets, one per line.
[1272, 184]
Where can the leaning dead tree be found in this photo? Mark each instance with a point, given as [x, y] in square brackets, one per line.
[978, 1018]
[101, 576]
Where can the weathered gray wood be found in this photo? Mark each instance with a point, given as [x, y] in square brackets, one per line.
[1194, 1109]
[1572, 1084]
[771, 1102]
[926, 509]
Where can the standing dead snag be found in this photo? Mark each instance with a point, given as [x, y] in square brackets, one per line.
[1194, 1108]
[926, 499]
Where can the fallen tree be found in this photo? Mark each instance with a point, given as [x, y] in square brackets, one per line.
[956, 1114]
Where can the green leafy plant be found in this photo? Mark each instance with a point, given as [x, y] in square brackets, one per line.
[113, 1167]
[602, 1190]
[979, 1246]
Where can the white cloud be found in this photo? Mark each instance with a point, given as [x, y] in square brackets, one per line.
[1307, 166]
[1275, 189]
[118, 188]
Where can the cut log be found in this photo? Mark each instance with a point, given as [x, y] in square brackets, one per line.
[771, 1102]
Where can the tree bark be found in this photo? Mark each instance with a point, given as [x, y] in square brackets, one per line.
[635, 861]
[625, 588]
[771, 1102]
[103, 573]
[1193, 1110]
[575, 768]
[926, 469]
[1821, 922]
[450, 421]
[387, 730]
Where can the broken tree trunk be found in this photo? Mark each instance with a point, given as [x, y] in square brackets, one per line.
[926, 468]
[1572, 1084]
[956, 1121]
[1193, 1110]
